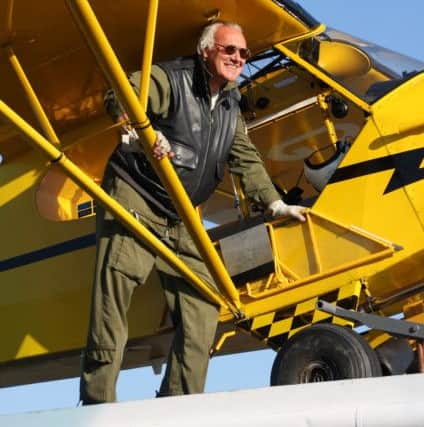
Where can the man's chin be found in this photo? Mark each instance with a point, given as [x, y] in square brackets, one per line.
[231, 77]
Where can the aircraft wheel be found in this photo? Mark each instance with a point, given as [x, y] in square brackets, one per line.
[324, 352]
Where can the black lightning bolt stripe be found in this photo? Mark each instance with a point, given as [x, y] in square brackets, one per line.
[406, 167]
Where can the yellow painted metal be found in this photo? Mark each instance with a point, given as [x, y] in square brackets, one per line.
[279, 326]
[100, 46]
[323, 104]
[114, 207]
[387, 113]
[271, 299]
[276, 327]
[414, 307]
[355, 229]
[378, 249]
[400, 124]
[366, 200]
[316, 31]
[324, 77]
[262, 320]
[149, 41]
[282, 272]
[356, 63]
[88, 133]
[224, 193]
[9, 16]
[308, 261]
[322, 255]
[32, 98]
[222, 340]
[314, 243]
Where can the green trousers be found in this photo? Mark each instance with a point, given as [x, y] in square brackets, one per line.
[123, 263]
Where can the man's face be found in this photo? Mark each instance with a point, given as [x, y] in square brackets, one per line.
[224, 66]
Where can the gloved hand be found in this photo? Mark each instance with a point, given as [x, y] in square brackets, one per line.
[279, 208]
[162, 148]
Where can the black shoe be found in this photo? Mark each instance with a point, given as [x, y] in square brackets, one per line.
[91, 402]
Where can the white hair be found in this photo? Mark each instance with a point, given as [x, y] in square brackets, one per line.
[207, 38]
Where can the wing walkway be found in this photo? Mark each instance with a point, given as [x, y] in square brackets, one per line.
[372, 402]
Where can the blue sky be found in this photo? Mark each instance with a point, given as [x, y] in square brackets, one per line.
[392, 24]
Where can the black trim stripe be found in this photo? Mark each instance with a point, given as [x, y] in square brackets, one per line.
[85, 205]
[406, 169]
[49, 252]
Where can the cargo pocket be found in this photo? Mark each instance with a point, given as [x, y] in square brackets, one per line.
[128, 256]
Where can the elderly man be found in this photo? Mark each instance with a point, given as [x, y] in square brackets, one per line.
[193, 105]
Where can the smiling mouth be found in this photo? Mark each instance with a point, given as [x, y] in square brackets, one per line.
[235, 66]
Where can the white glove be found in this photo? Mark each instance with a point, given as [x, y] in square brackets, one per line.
[279, 208]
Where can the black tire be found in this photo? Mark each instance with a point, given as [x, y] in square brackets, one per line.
[324, 352]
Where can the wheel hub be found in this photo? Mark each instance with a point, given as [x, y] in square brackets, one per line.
[317, 371]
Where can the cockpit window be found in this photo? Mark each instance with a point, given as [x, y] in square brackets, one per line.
[396, 64]
[262, 64]
[368, 70]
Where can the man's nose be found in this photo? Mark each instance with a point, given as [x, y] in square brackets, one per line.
[236, 56]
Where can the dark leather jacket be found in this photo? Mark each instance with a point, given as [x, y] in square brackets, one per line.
[200, 138]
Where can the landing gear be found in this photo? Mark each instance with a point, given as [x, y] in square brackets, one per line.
[324, 352]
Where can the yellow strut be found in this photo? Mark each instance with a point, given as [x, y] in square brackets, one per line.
[108, 61]
[323, 77]
[32, 98]
[85, 182]
[323, 105]
[149, 41]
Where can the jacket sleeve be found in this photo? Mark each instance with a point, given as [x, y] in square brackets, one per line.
[159, 94]
[244, 160]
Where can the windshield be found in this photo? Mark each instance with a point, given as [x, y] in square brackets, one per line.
[388, 69]
[387, 60]
[366, 69]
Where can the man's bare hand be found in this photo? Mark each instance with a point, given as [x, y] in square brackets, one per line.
[162, 148]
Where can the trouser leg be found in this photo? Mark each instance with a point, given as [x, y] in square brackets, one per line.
[107, 337]
[117, 275]
[195, 321]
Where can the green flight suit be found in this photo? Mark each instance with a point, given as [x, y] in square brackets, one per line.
[123, 262]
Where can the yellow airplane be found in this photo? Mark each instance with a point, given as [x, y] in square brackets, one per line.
[339, 124]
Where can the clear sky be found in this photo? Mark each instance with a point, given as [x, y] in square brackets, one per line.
[393, 24]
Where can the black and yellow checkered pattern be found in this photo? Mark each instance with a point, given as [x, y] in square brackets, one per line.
[276, 327]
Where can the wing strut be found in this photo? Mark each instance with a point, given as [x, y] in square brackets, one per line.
[107, 60]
